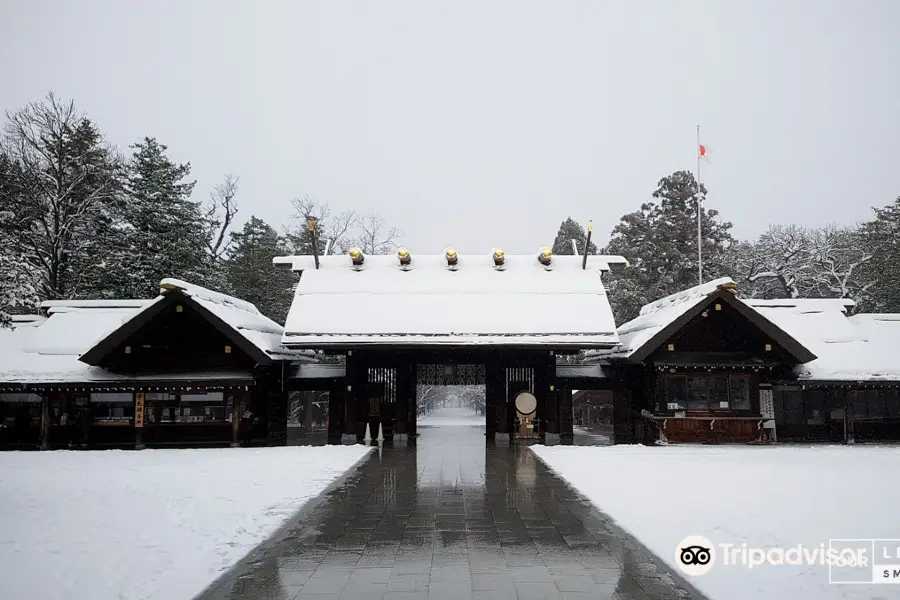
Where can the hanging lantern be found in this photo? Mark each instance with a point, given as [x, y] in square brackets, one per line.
[545, 257]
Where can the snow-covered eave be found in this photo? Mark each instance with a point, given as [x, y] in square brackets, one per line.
[47, 305]
[813, 375]
[293, 355]
[561, 340]
[95, 377]
[850, 379]
[608, 355]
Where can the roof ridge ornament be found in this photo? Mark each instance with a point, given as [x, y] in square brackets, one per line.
[357, 257]
[545, 257]
[404, 257]
[499, 259]
[452, 258]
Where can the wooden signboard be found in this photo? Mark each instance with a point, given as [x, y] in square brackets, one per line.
[139, 410]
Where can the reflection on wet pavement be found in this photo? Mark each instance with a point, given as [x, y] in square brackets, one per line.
[450, 518]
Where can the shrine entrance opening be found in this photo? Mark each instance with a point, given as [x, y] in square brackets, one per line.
[388, 393]
[450, 397]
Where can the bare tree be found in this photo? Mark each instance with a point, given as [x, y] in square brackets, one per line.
[61, 178]
[335, 229]
[375, 236]
[220, 213]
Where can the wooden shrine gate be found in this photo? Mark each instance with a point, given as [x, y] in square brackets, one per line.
[381, 391]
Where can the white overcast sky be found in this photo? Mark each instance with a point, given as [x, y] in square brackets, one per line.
[478, 123]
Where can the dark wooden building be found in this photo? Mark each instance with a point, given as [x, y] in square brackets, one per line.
[191, 367]
[706, 366]
[851, 391]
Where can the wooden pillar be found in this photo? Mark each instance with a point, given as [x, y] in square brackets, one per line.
[336, 398]
[566, 418]
[351, 393]
[545, 392]
[45, 421]
[623, 419]
[496, 401]
[405, 396]
[849, 434]
[237, 401]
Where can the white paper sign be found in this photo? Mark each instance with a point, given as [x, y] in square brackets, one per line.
[767, 407]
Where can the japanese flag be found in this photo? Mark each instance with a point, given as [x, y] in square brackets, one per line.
[703, 151]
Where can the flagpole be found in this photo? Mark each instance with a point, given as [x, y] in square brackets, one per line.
[699, 227]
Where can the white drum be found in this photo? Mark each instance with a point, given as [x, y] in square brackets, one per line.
[526, 403]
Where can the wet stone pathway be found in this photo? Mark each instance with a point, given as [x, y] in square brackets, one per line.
[449, 518]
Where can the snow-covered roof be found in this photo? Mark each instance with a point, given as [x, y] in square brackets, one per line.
[864, 347]
[39, 349]
[522, 303]
[657, 315]
[46, 350]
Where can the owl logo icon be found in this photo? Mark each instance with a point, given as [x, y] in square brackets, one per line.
[695, 555]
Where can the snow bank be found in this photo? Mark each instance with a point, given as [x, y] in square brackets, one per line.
[764, 496]
[144, 525]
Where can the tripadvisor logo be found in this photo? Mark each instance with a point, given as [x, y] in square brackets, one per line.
[695, 555]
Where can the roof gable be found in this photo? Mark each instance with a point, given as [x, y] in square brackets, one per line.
[661, 320]
[255, 334]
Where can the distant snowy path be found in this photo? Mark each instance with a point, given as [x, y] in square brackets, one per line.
[764, 496]
[154, 524]
[452, 417]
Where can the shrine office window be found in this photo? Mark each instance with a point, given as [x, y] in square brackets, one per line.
[707, 392]
[739, 391]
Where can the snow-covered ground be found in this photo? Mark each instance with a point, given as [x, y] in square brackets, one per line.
[451, 417]
[158, 524]
[763, 496]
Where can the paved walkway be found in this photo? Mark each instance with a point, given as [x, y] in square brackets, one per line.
[450, 519]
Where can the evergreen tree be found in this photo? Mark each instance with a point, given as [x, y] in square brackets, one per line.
[570, 230]
[17, 290]
[881, 239]
[60, 180]
[250, 273]
[163, 232]
[660, 243]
